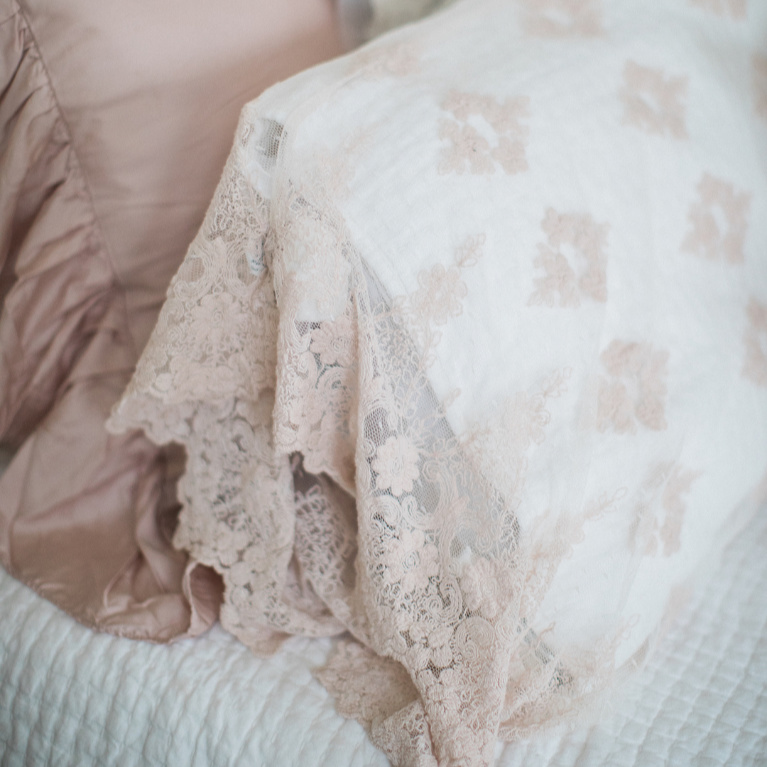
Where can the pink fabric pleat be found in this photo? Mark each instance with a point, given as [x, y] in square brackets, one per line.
[114, 125]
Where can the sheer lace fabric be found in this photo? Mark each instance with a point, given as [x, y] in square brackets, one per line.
[460, 428]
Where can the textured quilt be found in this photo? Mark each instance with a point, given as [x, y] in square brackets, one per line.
[69, 696]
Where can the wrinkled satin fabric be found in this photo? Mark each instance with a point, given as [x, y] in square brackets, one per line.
[115, 121]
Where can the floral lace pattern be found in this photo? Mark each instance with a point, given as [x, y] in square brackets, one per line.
[349, 415]
[283, 532]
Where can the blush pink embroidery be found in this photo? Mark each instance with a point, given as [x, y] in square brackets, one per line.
[662, 507]
[736, 9]
[573, 261]
[484, 134]
[759, 68]
[636, 390]
[396, 465]
[439, 297]
[718, 221]
[502, 448]
[755, 339]
[563, 18]
[652, 101]
[333, 341]
[398, 60]
[674, 505]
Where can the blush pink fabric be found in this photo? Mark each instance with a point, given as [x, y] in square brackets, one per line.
[115, 121]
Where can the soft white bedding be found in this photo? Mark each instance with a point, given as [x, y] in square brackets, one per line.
[468, 358]
[69, 696]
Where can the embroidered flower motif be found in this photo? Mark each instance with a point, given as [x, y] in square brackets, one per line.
[637, 390]
[662, 507]
[410, 561]
[678, 484]
[563, 18]
[484, 134]
[486, 586]
[217, 321]
[396, 464]
[440, 293]
[501, 448]
[759, 67]
[438, 297]
[718, 221]
[399, 60]
[652, 101]
[228, 544]
[573, 262]
[755, 338]
[734, 8]
[335, 342]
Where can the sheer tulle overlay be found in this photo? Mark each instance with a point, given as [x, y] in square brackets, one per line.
[469, 358]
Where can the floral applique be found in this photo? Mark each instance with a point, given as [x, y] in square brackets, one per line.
[573, 261]
[635, 392]
[396, 465]
[736, 9]
[563, 18]
[339, 165]
[501, 448]
[718, 221]
[653, 101]
[759, 68]
[662, 507]
[400, 60]
[483, 134]
[755, 338]
[334, 342]
[216, 321]
[439, 296]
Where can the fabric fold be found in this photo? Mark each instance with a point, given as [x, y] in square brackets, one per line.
[97, 202]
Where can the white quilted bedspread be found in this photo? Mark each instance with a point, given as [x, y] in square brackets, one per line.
[72, 697]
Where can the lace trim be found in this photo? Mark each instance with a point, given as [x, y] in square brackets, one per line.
[325, 485]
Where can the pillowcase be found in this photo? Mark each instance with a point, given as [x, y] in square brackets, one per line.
[115, 124]
[469, 357]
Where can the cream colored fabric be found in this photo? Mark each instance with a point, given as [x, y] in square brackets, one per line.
[115, 121]
[470, 356]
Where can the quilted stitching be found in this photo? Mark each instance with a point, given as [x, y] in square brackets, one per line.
[69, 696]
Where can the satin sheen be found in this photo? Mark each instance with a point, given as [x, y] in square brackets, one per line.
[115, 121]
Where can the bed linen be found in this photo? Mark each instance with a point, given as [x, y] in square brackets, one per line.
[471, 371]
[102, 107]
[71, 697]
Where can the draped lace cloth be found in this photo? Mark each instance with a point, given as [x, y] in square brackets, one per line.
[438, 390]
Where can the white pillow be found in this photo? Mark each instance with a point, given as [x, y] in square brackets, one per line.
[470, 356]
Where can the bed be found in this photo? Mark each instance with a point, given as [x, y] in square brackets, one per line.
[69, 696]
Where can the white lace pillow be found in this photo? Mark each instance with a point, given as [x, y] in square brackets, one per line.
[470, 355]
